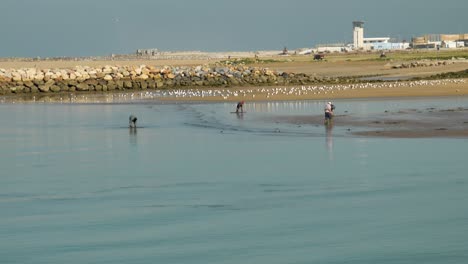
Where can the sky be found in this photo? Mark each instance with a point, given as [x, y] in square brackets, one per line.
[55, 28]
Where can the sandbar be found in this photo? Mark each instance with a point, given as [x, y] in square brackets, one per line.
[404, 123]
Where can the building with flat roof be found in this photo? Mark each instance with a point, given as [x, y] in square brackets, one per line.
[440, 41]
[376, 40]
[385, 43]
[374, 43]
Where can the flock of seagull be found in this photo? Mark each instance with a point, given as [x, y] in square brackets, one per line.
[241, 94]
[271, 92]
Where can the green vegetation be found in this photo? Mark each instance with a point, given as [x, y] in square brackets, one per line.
[247, 61]
[448, 75]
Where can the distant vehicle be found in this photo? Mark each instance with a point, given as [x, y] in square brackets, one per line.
[319, 56]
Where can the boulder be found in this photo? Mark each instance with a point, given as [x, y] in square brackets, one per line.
[127, 84]
[55, 88]
[111, 86]
[16, 77]
[151, 84]
[34, 89]
[16, 89]
[119, 84]
[107, 70]
[82, 87]
[39, 76]
[63, 87]
[44, 88]
[29, 84]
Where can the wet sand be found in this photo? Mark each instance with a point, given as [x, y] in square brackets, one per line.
[405, 123]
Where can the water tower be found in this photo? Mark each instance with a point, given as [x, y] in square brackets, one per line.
[358, 34]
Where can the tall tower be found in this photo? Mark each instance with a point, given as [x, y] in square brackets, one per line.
[358, 34]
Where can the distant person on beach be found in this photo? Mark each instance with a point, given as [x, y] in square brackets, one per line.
[240, 105]
[329, 107]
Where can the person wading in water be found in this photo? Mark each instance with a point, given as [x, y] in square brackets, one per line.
[240, 106]
[329, 108]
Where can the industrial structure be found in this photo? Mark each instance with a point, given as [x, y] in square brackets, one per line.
[379, 43]
[362, 43]
[432, 41]
[358, 34]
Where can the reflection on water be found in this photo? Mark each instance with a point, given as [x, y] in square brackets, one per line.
[329, 140]
[286, 106]
[133, 135]
[240, 115]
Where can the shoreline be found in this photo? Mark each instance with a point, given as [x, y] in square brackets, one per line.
[421, 123]
[410, 89]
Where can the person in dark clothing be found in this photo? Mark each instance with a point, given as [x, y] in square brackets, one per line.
[240, 106]
[132, 121]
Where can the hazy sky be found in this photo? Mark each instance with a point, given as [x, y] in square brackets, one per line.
[30, 28]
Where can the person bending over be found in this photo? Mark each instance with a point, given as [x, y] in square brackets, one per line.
[329, 107]
[132, 121]
[240, 107]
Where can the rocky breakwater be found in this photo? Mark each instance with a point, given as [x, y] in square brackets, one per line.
[109, 78]
[425, 63]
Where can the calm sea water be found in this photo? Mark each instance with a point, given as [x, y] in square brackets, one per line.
[197, 184]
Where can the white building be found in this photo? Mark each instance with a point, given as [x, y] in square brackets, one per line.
[381, 43]
[358, 34]
[370, 43]
[376, 40]
[362, 43]
[332, 47]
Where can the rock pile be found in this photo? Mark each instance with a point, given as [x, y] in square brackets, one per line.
[108, 78]
[416, 64]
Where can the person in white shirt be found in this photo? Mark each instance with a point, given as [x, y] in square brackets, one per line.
[329, 107]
